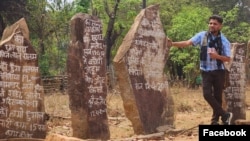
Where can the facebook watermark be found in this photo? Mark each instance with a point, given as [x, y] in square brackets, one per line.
[209, 132]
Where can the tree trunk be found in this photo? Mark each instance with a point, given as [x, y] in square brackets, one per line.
[143, 4]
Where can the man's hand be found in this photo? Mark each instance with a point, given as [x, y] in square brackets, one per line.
[169, 42]
[214, 55]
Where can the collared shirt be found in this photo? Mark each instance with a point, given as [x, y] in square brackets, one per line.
[211, 64]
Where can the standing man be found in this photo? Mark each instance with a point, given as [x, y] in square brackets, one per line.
[214, 50]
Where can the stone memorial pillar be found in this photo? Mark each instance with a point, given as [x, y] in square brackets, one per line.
[139, 65]
[87, 86]
[235, 93]
[22, 113]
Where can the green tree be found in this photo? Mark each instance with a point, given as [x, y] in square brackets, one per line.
[236, 30]
[184, 26]
[49, 26]
[60, 12]
[82, 6]
[169, 8]
[217, 6]
[10, 12]
[220, 5]
[117, 17]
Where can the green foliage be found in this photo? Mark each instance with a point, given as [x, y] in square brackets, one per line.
[235, 30]
[44, 65]
[127, 11]
[184, 26]
[217, 6]
[48, 21]
[11, 11]
[169, 8]
[49, 28]
[82, 6]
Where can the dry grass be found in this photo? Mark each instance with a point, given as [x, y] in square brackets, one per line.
[191, 110]
[57, 107]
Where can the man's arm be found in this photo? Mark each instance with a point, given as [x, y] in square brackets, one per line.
[182, 44]
[215, 55]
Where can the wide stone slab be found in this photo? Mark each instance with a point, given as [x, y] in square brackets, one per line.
[139, 65]
[22, 113]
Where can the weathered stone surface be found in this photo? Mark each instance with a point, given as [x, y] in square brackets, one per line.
[87, 86]
[242, 122]
[22, 113]
[21, 139]
[139, 65]
[235, 93]
[56, 137]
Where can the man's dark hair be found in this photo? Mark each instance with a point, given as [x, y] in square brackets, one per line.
[216, 17]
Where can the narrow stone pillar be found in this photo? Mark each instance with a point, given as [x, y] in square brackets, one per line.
[87, 88]
[139, 65]
[22, 113]
[235, 93]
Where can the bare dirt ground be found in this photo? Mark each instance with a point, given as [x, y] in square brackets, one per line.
[190, 111]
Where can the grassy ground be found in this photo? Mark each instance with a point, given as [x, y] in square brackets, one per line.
[191, 110]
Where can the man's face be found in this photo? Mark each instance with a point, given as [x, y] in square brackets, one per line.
[214, 26]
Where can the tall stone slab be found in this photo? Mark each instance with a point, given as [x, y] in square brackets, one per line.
[235, 93]
[139, 65]
[22, 113]
[87, 86]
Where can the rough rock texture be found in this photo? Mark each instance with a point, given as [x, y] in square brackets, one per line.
[22, 113]
[139, 65]
[57, 137]
[87, 86]
[235, 93]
